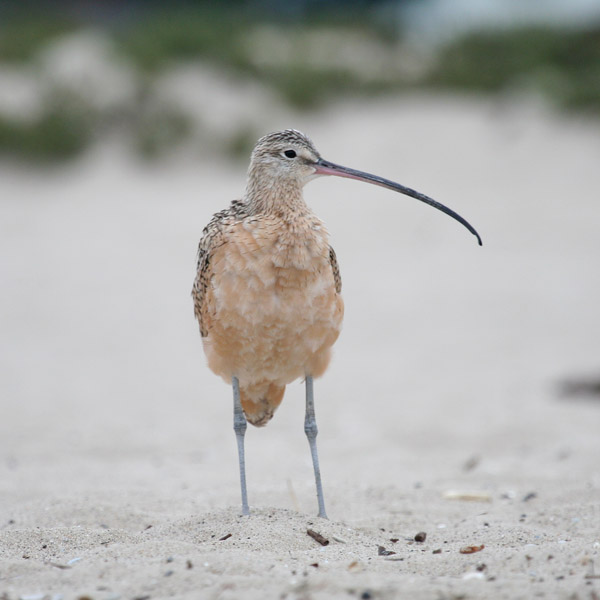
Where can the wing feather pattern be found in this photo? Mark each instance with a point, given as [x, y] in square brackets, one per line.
[213, 237]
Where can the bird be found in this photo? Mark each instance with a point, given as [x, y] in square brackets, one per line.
[268, 291]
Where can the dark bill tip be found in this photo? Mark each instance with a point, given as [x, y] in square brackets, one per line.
[324, 167]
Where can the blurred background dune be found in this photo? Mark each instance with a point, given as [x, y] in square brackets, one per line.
[125, 125]
[165, 76]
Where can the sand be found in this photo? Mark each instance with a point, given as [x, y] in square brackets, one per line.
[118, 472]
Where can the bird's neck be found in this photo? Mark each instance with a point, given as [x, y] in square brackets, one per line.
[279, 198]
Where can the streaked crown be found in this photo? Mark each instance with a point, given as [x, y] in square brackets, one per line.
[278, 143]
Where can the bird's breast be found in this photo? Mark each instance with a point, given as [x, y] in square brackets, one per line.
[274, 303]
[266, 270]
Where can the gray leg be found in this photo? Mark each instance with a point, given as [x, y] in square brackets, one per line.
[239, 426]
[310, 428]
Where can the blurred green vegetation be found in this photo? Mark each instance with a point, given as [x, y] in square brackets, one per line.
[306, 63]
[564, 65]
[23, 35]
[162, 37]
[159, 129]
[223, 38]
[57, 134]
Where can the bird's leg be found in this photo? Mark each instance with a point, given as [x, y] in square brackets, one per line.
[310, 428]
[239, 426]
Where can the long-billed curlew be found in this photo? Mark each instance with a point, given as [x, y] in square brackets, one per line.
[267, 293]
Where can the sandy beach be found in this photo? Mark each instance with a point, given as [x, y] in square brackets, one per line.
[440, 412]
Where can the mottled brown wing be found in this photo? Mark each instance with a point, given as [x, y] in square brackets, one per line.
[336, 270]
[202, 283]
[212, 238]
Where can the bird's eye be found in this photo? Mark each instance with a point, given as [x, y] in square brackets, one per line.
[290, 153]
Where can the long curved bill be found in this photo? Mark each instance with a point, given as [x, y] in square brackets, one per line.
[324, 167]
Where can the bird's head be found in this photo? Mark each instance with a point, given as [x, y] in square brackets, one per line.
[286, 160]
[284, 157]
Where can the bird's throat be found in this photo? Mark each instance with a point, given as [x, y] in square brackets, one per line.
[281, 198]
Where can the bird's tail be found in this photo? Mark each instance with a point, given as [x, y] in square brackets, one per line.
[260, 401]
